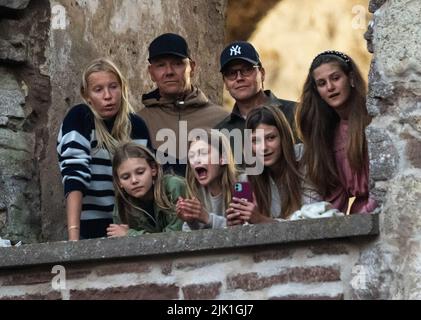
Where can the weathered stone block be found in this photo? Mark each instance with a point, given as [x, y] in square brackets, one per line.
[390, 269]
[384, 157]
[14, 4]
[380, 92]
[4, 121]
[202, 291]
[15, 163]
[3, 217]
[396, 50]
[413, 152]
[412, 115]
[14, 51]
[402, 209]
[11, 96]
[18, 141]
[23, 217]
[375, 4]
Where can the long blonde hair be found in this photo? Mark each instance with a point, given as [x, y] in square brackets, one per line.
[123, 201]
[229, 171]
[289, 176]
[122, 126]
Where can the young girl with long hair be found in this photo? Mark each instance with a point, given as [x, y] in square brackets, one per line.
[211, 175]
[331, 120]
[145, 198]
[280, 190]
[86, 141]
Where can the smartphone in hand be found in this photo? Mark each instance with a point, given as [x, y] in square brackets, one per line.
[243, 190]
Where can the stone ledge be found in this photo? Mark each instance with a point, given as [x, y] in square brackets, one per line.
[186, 242]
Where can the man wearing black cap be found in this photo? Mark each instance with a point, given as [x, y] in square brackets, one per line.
[176, 105]
[243, 76]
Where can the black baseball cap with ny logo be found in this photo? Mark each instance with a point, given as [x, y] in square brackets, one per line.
[239, 50]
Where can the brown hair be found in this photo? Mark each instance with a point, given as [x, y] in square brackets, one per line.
[316, 122]
[289, 176]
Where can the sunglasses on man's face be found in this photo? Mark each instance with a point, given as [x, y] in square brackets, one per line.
[232, 73]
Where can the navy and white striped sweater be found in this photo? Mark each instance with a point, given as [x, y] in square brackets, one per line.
[85, 169]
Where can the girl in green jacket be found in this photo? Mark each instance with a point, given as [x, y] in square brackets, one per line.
[145, 199]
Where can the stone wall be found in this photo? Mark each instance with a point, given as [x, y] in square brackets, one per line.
[393, 263]
[25, 98]
[308, 259]
[44, 46]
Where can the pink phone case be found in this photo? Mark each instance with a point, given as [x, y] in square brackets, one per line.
[242, 190]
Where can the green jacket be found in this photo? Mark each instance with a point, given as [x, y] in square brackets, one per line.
[166, 220]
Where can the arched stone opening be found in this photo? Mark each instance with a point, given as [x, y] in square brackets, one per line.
[289, 33]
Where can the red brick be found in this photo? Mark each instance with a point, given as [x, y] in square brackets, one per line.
[122, 267]
[272, 255]
[26, 277]
[206, 291]
[329, 249]
[138, 292]
[202, 263]
[53, 295]
[77, 272]
[252, 281]
[308, 297]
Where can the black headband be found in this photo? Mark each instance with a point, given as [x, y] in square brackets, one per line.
[335, 53]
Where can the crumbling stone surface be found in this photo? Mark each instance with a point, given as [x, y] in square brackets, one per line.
[374, 5]
[14, 4]
[390, 269]
[13, 51]
[23, 108]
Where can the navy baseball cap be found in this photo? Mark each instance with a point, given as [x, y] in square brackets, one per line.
[168, 44]
[239, 50]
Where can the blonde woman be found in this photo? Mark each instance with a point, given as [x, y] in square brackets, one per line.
[86, 141]
[211, 175]
[145, 198]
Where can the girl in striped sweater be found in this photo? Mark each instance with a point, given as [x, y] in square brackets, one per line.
[86, 141]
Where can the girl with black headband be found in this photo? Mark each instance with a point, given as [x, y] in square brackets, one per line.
[331, 120]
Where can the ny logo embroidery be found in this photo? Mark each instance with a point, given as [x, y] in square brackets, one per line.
[235, 50]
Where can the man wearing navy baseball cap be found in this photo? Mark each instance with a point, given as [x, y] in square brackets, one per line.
[176, 102]
[244, 76]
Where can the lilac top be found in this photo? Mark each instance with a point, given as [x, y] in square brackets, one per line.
[353, 185]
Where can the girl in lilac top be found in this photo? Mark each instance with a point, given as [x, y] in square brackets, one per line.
[331, 120]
